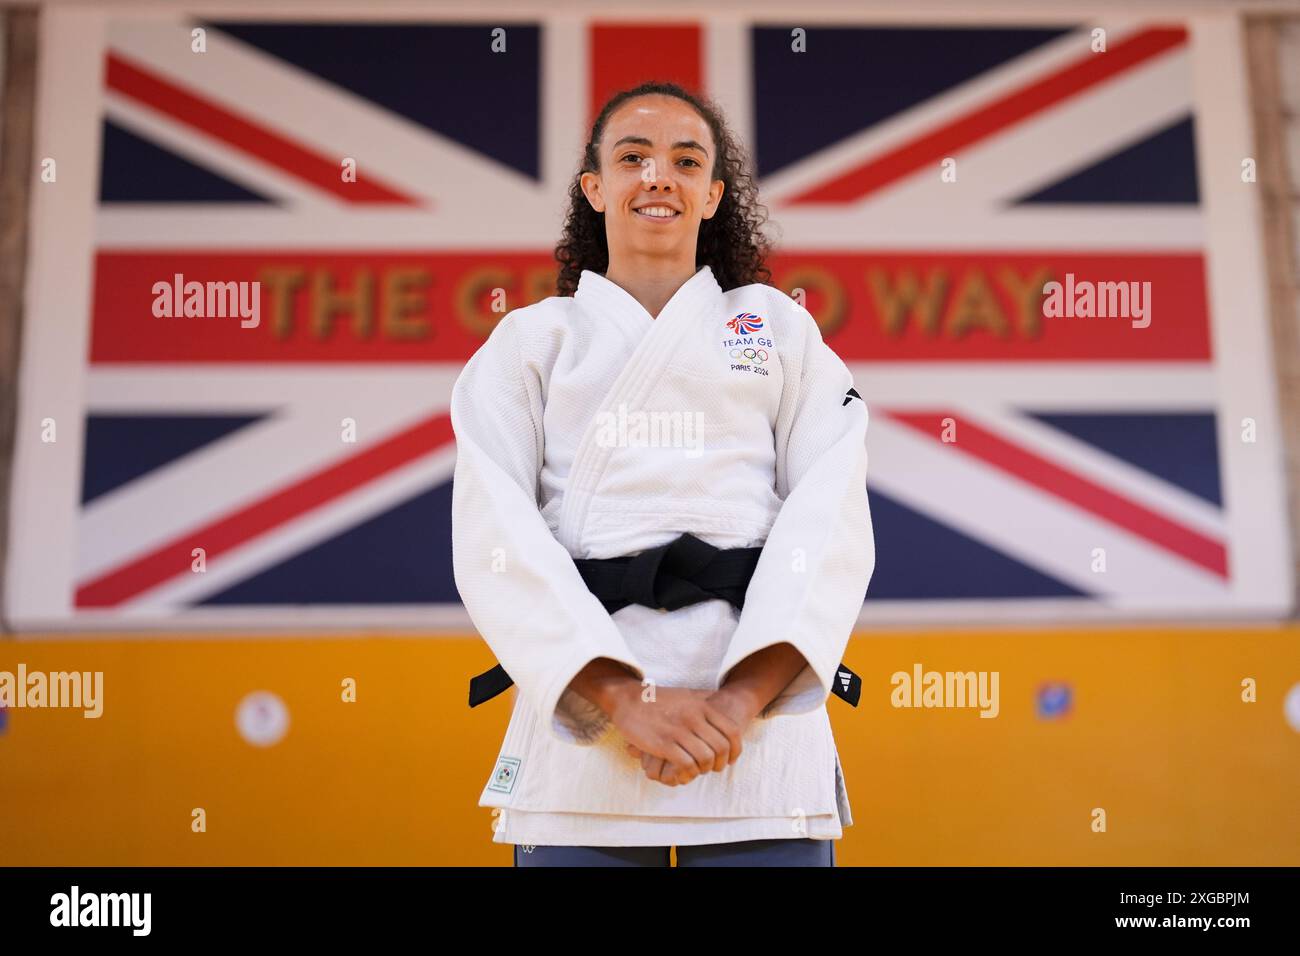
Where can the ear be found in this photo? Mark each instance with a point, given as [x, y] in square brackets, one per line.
[716, 189]
[591, 188]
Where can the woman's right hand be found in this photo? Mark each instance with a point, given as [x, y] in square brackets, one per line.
[680, 729]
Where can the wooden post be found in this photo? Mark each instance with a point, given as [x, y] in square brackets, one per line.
[17, 96]
[1273, 68]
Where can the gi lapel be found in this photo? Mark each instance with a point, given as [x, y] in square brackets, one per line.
[699, 297]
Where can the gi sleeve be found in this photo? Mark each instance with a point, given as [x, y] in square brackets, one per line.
[812, 576]
[518, 583]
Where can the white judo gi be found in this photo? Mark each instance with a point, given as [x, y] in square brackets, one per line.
[545, 473]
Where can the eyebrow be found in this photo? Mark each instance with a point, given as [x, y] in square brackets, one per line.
[642, 141]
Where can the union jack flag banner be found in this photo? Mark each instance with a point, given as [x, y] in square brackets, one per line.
[1035, 244]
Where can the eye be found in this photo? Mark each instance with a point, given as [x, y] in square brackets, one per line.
[688, 159]
[627, 156]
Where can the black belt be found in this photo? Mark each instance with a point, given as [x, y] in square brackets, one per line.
[678, 574]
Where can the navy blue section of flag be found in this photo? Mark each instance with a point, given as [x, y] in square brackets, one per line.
[420, 71]
[132, 169]
[122, 448]
[851, 78]
[918, 558]
[1160, 168]
[1178, 447]
[402, 556]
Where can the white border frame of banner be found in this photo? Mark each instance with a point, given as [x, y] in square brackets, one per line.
[55, 341]
[1259, 545]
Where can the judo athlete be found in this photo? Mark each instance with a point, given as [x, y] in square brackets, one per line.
[672, 613]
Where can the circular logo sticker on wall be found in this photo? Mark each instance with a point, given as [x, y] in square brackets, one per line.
[1291, 707]
[262, 718]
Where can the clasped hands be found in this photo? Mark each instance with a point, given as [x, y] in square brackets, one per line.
[681, 733]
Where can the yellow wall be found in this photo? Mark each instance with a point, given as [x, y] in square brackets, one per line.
[1187, 773]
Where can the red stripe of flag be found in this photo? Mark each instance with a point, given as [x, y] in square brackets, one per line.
[1088, 495]
[1009, 109]
[624, 55]
[243, 134]
[232, 530]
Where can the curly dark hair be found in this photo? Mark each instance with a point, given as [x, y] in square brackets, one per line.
[732, 243]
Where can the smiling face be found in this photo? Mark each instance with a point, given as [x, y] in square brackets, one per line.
[655, 186]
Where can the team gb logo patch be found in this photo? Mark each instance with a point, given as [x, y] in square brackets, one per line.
[747, 345]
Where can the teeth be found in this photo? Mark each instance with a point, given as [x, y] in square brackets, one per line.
[659, 212]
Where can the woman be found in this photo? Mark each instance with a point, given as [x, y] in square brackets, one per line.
[660, 522]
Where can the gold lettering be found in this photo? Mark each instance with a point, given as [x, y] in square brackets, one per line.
[326, 303]
[974, 305]
[281, 282]
[403, 299]
[473, 287]
[834, 308]
[907, 297]
[1027, 294]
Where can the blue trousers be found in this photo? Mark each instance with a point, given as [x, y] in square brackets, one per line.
[780, 852]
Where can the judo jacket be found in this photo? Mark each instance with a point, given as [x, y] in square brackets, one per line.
[586, 428]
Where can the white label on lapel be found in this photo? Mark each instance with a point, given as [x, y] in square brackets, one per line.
[747, 344]
[505, 775]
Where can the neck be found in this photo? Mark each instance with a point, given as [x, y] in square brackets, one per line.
[651, 284]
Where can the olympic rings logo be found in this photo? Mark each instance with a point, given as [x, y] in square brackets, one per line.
[750, 356]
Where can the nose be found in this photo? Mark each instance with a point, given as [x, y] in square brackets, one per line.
[653, 175]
